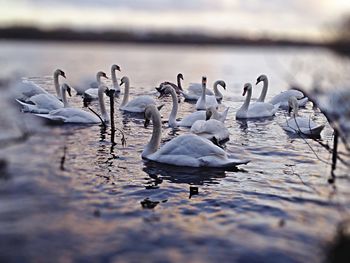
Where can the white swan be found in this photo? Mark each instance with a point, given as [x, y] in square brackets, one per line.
[75, 115]
[114, 77]
[92, 93]
[138, 104]
[205, 101]
[211, 129]
[281, 98]
[41, 103]
[195, 91]
[27, 89]
[298, 124]
[191, 118]
[255, 110]
[187, 150]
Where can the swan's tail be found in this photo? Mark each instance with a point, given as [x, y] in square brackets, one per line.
[275, 108]
[27, 107]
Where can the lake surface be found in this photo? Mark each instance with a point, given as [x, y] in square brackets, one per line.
[68, 195]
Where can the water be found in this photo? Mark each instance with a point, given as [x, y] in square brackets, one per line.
[68, 195]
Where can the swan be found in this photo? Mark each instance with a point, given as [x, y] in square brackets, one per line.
[205, 101]
[195, 91]
[114, 77]
[187, 150]
[211, 129]
[281, 98]
[178, 88]
[136, 105]
[41, 103]
[191, 118]
[27, 89]
[255, 110]
[75, 115]
[92, 93]
[298, 124]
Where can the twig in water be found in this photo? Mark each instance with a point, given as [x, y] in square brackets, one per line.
[94, 112]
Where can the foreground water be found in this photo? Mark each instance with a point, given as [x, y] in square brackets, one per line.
[67, 194]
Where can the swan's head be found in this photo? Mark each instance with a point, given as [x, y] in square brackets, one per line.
[124, 80]
[261, 78]
[221, 83]
[65, 87]
[148, 114]
[115, 67]
[246, 87]
[164, 90]
[292, 103]
[180, 76]
[204, 81]
[209, 112]
[59, 72]
[101, 74]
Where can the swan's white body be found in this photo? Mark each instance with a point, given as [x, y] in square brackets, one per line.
[26, 89]
[41, 103]
[195, 91]
[211, 129]
[74, 115]
[136, 105]
[301, 125]
[283, 97]
[185, 150]
[188, 120]
[92, 93]
[255, 110]
[206, 101]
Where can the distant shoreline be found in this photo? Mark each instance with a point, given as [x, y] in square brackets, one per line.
[154, 38]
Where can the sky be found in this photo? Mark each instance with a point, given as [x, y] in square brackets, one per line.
[311, 19]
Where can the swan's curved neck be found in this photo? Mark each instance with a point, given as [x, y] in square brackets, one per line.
[126, 94]
[154, 143]
[216, 90]
[245, 105]
[114, 80]
[101, 102]
[57, 85]
[179, 82]
[295, 109]
[264, 91]
[172, 116]
[64, 97]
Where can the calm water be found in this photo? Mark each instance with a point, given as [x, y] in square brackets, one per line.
[68, 195]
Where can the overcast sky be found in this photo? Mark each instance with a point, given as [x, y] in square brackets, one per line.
[301, 18]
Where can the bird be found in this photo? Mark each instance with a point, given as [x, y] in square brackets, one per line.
[92, 93]
[195, 91]
[211, 129]
[24, 90]
[74, 115]
[281, 98]
[188, 120]
[136, 105]
[187, 150]
[254, 110]
[177, 87]
[206, 101]
[298, 124]
[114, 77]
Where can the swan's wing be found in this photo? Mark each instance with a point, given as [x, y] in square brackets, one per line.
[74, 115]
[46, 101]
[210, 101]
[141, 102]
[262, 109]
[302, 102]
[28, 107]
[191, 118]
[284, 96]
[91, 93]
[302, 125]
[196, 88]
[26, 89]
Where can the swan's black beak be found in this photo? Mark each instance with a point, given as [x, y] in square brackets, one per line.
[244, 91]
[121, 83]
[118, 68]
[63, 74]
[147, 121]
[224, 86]
[69, 91]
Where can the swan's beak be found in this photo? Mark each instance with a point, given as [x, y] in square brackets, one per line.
[121, 83]
[147, 121]
[69, 91]
[244, 92]
[63, 74]
[224, 86]
[118, 68]
[257, 81]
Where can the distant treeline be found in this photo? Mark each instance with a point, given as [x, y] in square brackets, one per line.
[62, 34]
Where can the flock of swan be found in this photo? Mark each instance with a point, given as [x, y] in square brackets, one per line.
[201, 147]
